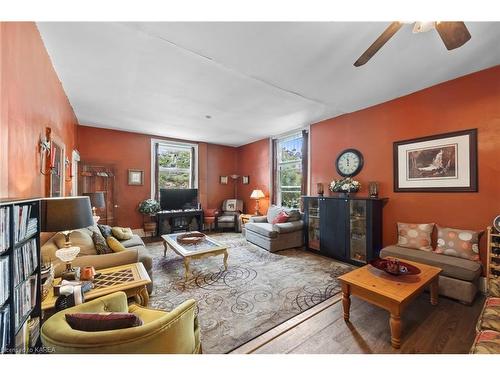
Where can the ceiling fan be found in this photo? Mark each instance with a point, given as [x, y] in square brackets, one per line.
[453, 35]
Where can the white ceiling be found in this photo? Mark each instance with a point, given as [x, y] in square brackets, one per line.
[255, 80]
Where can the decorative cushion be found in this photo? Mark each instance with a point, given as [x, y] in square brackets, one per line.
[281, 218]
[459, 243]
[81, 238]
[105, 230]
[273, 212]
[490, 318]
[294, 215]
[122, 233]
[93, 322]
[115, 245]
[415, 236]
[486, 342]
[100, 244]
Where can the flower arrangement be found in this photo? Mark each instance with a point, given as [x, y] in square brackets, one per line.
[345, 185]
[149, 207]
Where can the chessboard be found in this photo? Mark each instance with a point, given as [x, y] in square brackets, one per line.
[105, 280]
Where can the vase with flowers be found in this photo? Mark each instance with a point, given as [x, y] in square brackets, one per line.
[345, 186]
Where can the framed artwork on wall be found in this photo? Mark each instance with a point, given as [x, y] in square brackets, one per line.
[438, 163]
[246, 180]
[223, 180]
[135, 177]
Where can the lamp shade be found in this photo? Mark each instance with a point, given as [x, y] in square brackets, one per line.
[60, 214]
[257, 194]
[96, 199]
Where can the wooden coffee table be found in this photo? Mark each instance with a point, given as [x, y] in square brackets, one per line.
[130, 278]
[206, 248]
[392, 293]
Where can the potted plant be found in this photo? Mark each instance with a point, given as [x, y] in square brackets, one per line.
[345, 185]
[149, 207]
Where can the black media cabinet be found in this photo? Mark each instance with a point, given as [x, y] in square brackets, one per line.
[179, 220]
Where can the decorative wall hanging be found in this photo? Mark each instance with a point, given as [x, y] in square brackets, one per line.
[44, 147]
[223, 180]
[135, 177]
[438, 163]
[245, 180]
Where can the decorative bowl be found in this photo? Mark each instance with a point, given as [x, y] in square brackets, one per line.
[395, 267]
[190, 238]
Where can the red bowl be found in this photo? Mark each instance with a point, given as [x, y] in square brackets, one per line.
[404, 268]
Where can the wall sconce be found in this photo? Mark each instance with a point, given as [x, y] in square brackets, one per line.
[67, 165]
[46, 154]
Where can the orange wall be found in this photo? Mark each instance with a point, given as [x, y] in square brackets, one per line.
[468, 102]
[31, 99]
[254, 161]
[133, 151]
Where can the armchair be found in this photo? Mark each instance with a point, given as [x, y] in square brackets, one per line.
[173, 332]
[230, 215]
[210, 216]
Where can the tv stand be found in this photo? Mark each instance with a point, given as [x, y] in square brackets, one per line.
[179, 220]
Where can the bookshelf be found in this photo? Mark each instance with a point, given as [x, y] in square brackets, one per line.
[20, 276]
[493, 260]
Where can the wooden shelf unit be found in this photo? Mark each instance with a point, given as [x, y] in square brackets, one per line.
[493, 255]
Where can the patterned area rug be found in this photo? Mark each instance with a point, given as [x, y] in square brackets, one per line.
[259, 290]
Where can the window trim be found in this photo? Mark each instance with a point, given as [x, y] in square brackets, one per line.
[174, 144]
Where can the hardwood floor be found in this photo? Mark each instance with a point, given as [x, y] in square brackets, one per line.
[448, 327]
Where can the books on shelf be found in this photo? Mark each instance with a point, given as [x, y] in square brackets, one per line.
[4, 327]
[4, 229]
[25, 261]
[4, 279]
[24, 224]
[25, 299]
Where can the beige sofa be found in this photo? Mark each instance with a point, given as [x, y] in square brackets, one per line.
[136, 252]
[458, 279]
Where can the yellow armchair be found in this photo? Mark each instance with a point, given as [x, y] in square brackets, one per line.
[174, 332]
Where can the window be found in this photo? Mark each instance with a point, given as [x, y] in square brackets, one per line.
[174, 166]
[290, 169]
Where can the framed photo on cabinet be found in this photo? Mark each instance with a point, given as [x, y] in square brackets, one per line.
[438, 163]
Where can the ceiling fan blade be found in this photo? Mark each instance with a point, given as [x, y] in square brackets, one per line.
[453, 34]
[378, 43]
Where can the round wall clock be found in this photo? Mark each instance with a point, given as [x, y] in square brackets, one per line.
[496, 223]
[349, 162]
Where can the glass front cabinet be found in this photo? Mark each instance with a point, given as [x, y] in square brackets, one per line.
[348, 229]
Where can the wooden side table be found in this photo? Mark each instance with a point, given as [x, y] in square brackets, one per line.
[245, 218]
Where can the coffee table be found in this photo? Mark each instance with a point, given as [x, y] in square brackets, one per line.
[130, 278]
[392, 293]
[206, 248]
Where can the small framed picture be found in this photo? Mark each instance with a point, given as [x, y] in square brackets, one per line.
[135, 177]
[246, 180]
[223, 180]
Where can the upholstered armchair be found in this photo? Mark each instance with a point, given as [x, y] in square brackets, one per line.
[174, 332]
[230, 215]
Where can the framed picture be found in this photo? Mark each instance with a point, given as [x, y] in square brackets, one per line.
[223, 180]
[438, 163]
[135, 177]
[245, 180]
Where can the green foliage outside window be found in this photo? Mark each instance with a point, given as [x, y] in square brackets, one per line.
[174, 169]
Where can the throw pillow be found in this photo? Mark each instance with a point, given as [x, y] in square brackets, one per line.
[273, 212]
[100, 244]
[459, 243]
[105, 230]
[122, 233]
[93, 322]
[115, 245]
[281, 218]
[415, 236]
[294, 215]
[81, 238]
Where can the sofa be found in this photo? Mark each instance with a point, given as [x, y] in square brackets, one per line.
[136, 252]
[261, 231]
[174, 332]
[487, 340]
[459, 277]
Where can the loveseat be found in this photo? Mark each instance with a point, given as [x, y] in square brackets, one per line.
[135, 252]
[261, 231]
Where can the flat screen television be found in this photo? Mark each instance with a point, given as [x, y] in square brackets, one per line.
[178, 199]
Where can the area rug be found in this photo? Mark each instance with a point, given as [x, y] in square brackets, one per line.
[259, 291]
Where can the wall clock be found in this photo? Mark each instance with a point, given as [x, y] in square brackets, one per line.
[349, 162]
[496, 223]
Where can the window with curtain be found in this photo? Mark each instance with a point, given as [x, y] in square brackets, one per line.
[290, 169]
[174, 166]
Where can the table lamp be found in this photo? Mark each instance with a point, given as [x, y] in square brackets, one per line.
[96, 201]
[257, 194]
[64, 215]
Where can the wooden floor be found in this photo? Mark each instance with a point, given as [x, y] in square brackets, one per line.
[448, 327]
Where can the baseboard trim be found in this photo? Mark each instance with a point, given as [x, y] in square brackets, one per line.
[284, 327]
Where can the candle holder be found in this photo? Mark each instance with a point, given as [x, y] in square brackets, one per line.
[373, 189]
[320, 189]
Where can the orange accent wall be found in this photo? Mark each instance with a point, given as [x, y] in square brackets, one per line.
[31, 99]
[472, 101]
[254, 161]
[127, 150]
